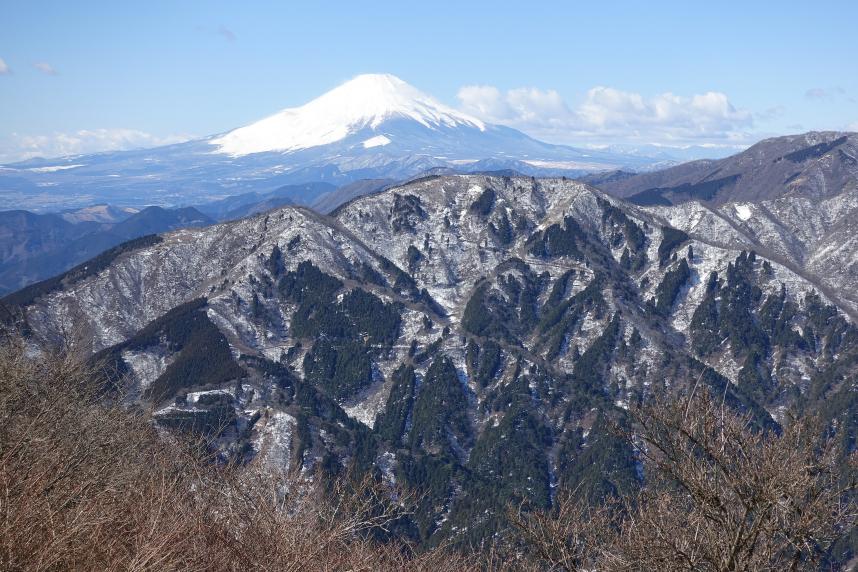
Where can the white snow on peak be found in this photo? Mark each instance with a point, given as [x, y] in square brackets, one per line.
[365, 101]
[743, 211]
[377, 141]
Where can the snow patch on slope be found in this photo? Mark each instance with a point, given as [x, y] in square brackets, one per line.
[743, 211]
[146, 367]
[273, 438]
[377, 141]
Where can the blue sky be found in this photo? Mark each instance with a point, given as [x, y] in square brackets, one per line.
[78, 76]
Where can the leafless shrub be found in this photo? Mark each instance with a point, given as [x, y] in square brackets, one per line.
[727, 496]
[89, 485]
[85, 484]
[721, 495]
[569, 536]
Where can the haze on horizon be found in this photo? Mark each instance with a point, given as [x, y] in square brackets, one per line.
[98, 76]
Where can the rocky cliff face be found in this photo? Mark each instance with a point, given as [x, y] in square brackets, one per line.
[469, 336]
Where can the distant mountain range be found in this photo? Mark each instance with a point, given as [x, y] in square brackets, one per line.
[372, 127]
[37, 246]
[323, 197]
[819, 168]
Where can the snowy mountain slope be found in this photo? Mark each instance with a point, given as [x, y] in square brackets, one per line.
[792, 199]
[817, 238]
[111, 306]
[430, 229]
[373, 126]
[365, 101]
[451, 330]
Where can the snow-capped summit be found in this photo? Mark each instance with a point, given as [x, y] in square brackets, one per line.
[366, 101]
[371, 127]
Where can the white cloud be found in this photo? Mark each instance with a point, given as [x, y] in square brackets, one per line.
[20, 147]
[517, 107]
[222, 31]
[824, 93]
[852, 126]
[607, 113]
[816, 93]
[45, 67]
[226, 33]
[4, 68]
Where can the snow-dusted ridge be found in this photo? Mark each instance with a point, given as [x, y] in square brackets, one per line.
[439, 250]
[365, 101]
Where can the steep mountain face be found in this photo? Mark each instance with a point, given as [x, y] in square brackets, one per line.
[814, 166]
[469, 336]
[34, 247]
[793, 199]
[815, 237]
[372, 127]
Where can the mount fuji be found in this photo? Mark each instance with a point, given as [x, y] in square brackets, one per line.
[375, 126]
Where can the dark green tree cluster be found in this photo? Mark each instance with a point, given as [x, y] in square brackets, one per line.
[558, 290]
[740, 297]
[406, 212]
[340, 367]
[589, 371]
[734, 313]
[556, 240]
[600, 465]
[390, 423]
[776, 317]
[509, 459]
[440, 417]
[486, 313]
[557, 321]
[274, 261]
[485, 362]
[668, 290]
[202, 354]
[484, 203]
[509, 316]
[346, 333]
[671, 240]
[413, 256]
[402, 281]
[502, 232]
[359, 314]
[625, 230]
[705, 328]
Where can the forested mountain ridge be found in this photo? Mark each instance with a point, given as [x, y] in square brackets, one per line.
[468, 336]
